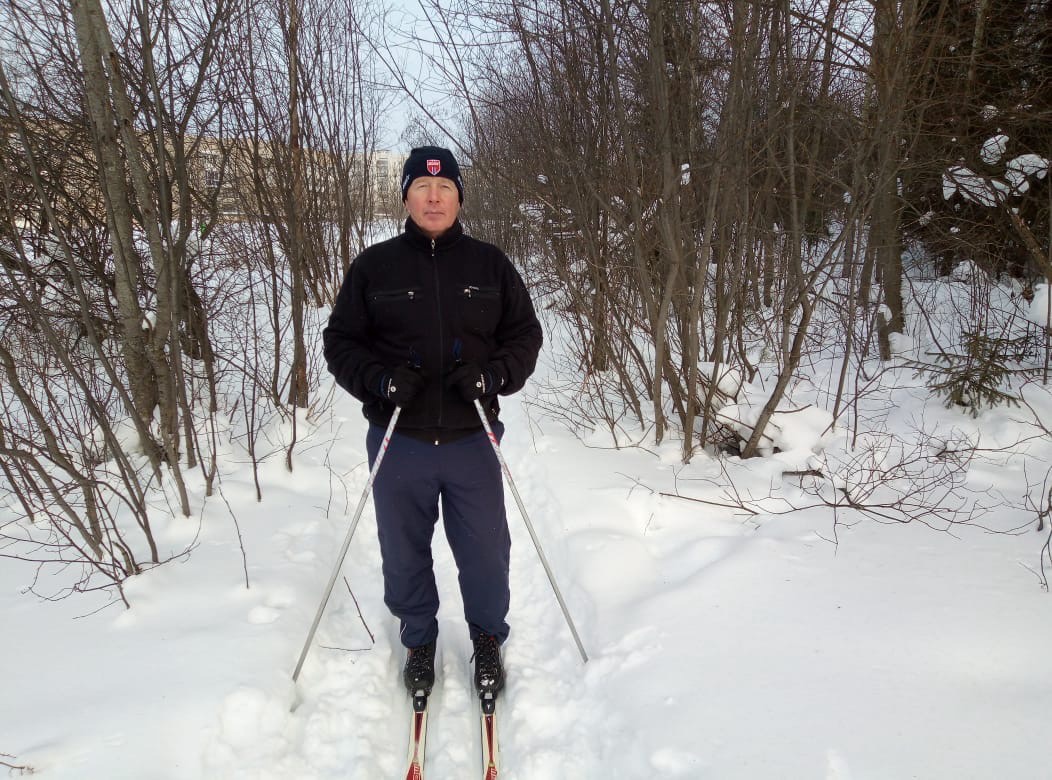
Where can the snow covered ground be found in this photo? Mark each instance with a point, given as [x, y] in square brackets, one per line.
[723, 645]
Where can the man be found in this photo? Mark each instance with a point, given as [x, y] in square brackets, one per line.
[431, 321]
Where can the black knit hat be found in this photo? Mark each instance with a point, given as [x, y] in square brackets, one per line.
[431, 161]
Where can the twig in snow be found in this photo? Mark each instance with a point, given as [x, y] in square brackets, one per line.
[346, 649]
[237, 527]
[360, 616]
[14, 769]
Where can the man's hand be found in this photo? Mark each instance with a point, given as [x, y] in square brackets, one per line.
[401, 385]
[472, 381]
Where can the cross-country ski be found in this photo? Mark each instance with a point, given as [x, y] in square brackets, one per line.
[417, 738]
[490, 750]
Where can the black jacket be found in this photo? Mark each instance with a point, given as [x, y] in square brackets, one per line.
[414, 301]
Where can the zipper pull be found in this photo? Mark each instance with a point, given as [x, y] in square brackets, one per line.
[432, 247]
[469, 290]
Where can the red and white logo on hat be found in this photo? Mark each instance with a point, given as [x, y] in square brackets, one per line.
[434, 167]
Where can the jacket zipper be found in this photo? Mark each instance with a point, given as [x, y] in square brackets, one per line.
[441, 340]
[395, 295]
[474, 291]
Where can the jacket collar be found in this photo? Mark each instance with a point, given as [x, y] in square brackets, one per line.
[444, 241]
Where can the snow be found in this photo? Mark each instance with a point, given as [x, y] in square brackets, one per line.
[994, 149]
[989, 191]
[1039, 309]
[1019, 169]
[798, 429]
[973, 186]
[1030, 165]
[723, 644]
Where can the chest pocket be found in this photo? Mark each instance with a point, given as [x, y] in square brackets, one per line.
[479, 308]
[395, 307]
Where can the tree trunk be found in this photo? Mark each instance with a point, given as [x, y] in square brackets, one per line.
[298, 395]
[87, 18]
[890, 83]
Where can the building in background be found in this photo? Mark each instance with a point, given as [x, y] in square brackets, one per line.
[385, 181]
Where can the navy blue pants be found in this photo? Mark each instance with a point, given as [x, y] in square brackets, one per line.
[466, 477]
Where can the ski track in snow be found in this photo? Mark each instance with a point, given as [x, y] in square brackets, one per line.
[352, 721]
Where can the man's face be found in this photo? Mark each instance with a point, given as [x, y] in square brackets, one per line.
[433, 203]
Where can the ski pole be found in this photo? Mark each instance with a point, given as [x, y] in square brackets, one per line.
[529, 527]
[347, 542]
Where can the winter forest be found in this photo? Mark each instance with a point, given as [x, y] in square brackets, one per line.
[793, 263]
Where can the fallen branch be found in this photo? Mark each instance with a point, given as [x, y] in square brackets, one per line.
[16, 769]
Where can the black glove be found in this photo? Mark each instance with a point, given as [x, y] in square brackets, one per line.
[401, 385]
[472, 381]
